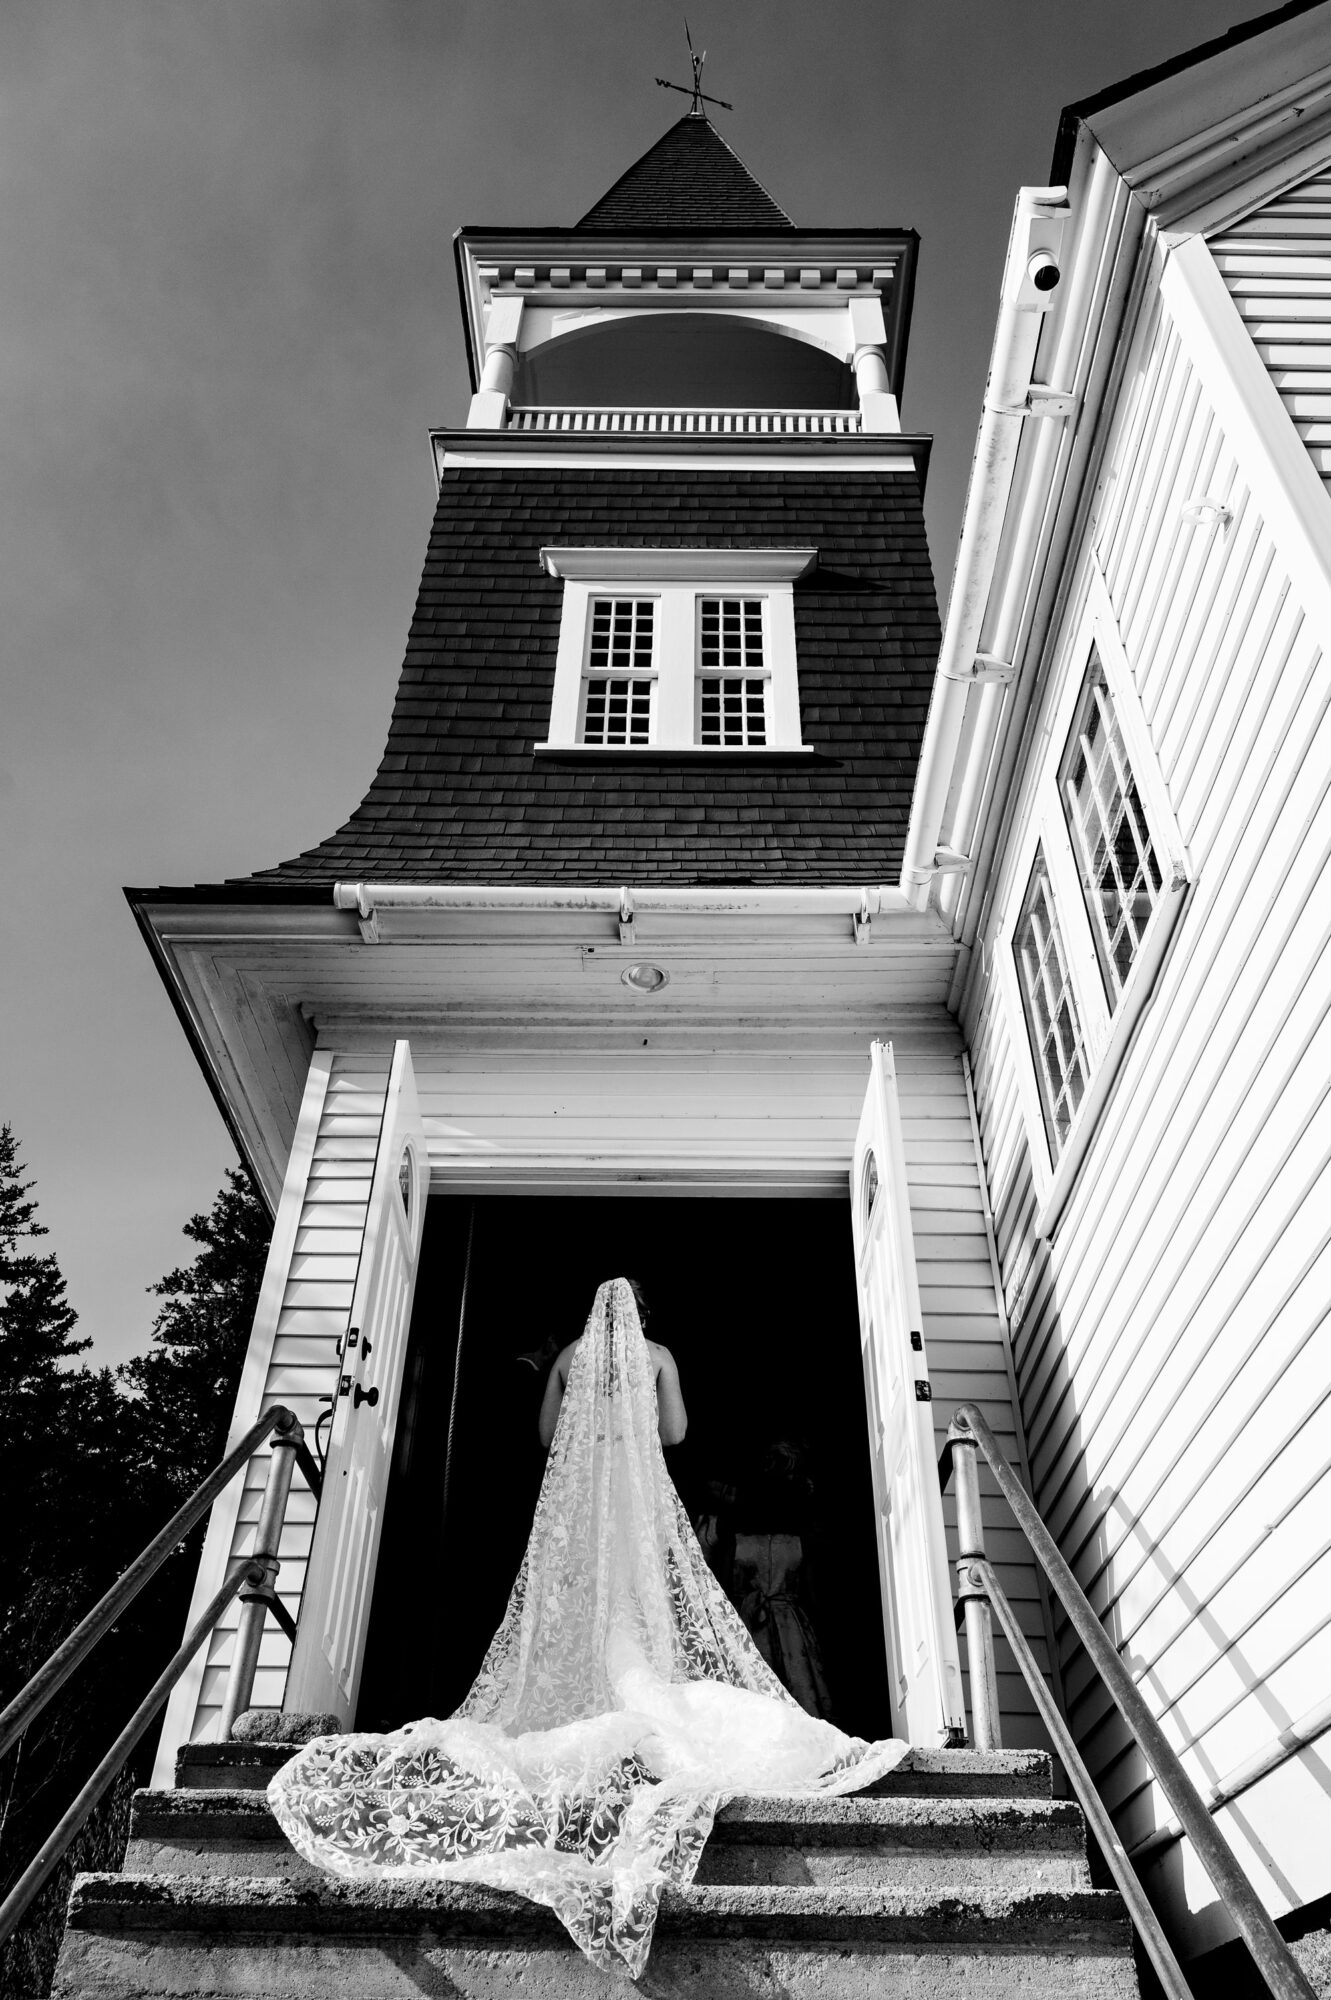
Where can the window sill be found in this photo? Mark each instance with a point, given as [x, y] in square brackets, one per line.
[1136, 998]
[665, 753]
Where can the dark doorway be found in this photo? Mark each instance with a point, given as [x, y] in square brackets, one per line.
[755, 1299]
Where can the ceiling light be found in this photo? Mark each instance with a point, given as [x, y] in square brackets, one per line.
[645, 978]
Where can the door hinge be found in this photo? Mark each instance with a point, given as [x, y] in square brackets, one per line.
[924, 1392]
[917, 1342]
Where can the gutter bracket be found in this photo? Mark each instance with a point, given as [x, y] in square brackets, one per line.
[947, 861]
[626, 932]
[863, 921]
[986, 668]
[1042, 401]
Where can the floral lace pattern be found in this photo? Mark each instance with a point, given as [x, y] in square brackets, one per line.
[619, 1704]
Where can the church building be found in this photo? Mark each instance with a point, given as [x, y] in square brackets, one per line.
[612, 963]
[922, 1016]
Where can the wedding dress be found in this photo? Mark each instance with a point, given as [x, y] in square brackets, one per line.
[621, 1701]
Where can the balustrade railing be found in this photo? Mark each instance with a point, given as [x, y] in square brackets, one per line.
[687, 423]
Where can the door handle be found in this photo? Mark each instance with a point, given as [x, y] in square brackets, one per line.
[370, 1396]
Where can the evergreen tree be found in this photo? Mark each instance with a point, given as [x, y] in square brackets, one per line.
[185, 1385]
[92, 1464]
[36, 1326]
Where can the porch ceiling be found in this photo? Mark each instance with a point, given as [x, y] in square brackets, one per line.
[258, 985]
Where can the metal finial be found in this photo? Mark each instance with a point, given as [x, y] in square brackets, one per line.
[697, 93]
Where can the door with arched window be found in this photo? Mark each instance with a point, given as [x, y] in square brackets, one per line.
[924, 1670]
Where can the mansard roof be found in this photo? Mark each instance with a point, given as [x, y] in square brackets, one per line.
[689, 180]
[460, 796]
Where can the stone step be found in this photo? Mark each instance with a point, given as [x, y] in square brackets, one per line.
[162, 1937]
[998, 1774]
[815, 1842]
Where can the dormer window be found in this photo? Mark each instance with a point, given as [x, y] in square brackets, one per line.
[676, 649]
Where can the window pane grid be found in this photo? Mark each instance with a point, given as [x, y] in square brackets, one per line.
[1053, 1023]
[732, 711]
[732, 688]
[1116, 859]
[617, 686]
[617, 711]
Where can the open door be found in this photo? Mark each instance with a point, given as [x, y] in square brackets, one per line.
[335, 1606]
[924, 1671]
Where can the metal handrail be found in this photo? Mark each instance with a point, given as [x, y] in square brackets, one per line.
[980, 1592]
[29, 1702]
[254, 1582]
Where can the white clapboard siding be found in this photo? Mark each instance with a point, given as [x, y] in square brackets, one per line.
[1173, 1342]
[1277, 265]
[301, 1318]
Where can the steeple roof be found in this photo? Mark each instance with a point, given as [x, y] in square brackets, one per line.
[690, 180]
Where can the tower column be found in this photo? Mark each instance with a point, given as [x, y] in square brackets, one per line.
[489, 406]
[878, 406]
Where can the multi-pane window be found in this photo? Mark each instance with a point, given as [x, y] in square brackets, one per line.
[1120, 872]
[732, 672]
[1058, 1043]
[619, 677]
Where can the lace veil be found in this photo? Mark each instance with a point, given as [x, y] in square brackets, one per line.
[619, 1703]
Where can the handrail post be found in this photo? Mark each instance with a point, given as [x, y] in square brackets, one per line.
[986, 1726]
[255, 1598]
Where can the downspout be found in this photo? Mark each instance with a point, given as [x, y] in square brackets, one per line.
[1030, 275]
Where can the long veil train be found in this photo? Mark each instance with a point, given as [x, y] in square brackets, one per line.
[620, 1703]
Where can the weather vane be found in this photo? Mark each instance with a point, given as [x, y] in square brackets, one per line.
[698, 94]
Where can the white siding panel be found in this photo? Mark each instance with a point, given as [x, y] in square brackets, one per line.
[293, 1360]
[1173, 1342]
[1277, 266]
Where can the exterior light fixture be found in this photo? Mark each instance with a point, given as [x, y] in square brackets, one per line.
[645, 978]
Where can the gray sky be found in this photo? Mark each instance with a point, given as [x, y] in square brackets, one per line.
[228, 318]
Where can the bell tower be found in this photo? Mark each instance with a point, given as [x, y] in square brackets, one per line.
[677, 621]
[687, 303]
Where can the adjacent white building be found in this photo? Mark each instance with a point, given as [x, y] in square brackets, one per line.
[1131, 748]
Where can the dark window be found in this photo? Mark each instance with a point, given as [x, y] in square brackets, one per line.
[1117, 863]
[1058, 1044]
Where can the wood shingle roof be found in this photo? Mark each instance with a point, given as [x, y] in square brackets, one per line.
[689, 181]
[460, 796]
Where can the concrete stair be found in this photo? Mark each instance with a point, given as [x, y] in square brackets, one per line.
[958, 1867]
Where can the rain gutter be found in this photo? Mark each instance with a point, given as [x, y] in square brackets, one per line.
[861, 902]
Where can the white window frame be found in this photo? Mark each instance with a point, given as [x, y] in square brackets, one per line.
[677, 579]
[1108, 1027]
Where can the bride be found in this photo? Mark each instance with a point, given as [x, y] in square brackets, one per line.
[621, 1701]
